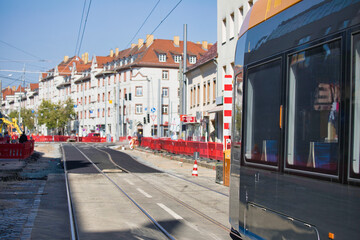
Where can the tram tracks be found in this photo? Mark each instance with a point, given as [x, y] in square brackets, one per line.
[159, 190]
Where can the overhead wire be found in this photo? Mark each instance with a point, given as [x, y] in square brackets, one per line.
[82, 36]
[81, 21]
[21, 50]
[152, 10]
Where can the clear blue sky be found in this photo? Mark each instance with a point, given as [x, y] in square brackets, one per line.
[48, 29]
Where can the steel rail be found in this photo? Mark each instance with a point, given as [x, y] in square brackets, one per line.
[223, 227]
[73, 224]
[167, 234]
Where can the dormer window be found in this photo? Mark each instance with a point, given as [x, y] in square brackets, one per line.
[162, 57]
[177, 58]
[192, 59]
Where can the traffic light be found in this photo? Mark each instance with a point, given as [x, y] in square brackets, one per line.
[148, 117]
[144, 120]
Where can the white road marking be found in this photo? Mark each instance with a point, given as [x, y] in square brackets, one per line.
[171, 212]
[143, 192]
[129, 182]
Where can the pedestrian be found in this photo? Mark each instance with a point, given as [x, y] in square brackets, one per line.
[7, 137]
[23, 138]
[139, 136]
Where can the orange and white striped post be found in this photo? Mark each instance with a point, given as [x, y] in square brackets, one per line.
[227, 109]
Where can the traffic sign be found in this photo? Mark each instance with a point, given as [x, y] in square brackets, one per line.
[153, 117]
[153, 110]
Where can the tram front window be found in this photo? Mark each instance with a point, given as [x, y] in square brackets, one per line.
[313, 109]
[263, 101]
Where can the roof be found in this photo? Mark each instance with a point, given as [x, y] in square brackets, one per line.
[263, 10]
[208, 56]
[34, 86]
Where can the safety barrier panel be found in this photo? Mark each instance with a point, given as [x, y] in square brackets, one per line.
[16, 150]
[210, 150]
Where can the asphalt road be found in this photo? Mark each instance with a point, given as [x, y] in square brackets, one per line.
[185, 210]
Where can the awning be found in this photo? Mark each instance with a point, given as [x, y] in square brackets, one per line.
[219, 108]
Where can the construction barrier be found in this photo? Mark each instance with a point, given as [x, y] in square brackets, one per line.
[16, 150]
[59, 138]
[210, 150]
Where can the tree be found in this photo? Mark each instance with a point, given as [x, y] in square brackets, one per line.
[47, 114]
[28, 118]
[65, 112]
[56, 115]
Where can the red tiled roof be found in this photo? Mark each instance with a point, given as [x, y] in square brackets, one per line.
[34, 86]
[208, 56]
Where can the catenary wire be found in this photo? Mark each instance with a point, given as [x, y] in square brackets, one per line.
[143, 23]
[81, 22]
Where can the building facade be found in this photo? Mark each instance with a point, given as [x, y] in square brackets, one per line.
[230, 16]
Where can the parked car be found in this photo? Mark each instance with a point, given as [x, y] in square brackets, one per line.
[93, 135]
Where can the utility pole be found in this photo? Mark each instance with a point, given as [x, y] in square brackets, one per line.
[159, 110]
[23, 79]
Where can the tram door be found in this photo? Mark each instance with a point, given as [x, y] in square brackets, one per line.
[263, 114]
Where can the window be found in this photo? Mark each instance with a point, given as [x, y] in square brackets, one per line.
[177, 58]
[314, 106]
[108, 96]
[138, 109]
[191, 97]
[103, 81]
[85, 101]
[208, 92]
[103, 112]
[124, 76]
[81, 86]
[355, 160]
[99, 97]
[165, 74]
[108, 112]
[204, 94]
[165, 109]
[138, 91]
[98, 114]
[162, 57]
[192, 59]
[214, 89]
[77, 88]
[198, 95]
[232, 26]
[223, 31]
[99, 82]
[89, 99]
[85, 85]
[103, 97]
[165, 92]
[262, 130]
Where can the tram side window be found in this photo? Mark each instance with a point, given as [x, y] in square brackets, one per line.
[355, 166]
[313, 109]
[262, 109]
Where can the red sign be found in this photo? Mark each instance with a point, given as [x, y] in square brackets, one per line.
[185, 118]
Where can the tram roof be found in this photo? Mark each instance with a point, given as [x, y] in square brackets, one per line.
[263, 10]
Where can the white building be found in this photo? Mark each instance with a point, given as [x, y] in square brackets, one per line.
[202, 99]
[230, 16]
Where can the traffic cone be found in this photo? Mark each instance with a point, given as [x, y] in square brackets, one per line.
[194, 172]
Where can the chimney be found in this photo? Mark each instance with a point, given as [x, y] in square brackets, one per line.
[149, 40]
[14, 88]
[133, 45]
[66, 58]
[177, 41]
[205, 45]
[111, 53]
[198, 42]
[116, 52]
[82, 57]
[140, 43]
[86, 58]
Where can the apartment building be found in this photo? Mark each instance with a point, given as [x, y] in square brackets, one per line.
[138, 91]
[128, 91]
[204, 118]
[230, 16]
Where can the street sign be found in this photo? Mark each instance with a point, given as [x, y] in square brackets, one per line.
[153, 110]
[153, 117]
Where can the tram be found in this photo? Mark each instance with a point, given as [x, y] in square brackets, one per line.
[295, 153]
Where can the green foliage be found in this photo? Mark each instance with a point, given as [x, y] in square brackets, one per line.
[56, 115]
[14, 114]
[28, 118]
